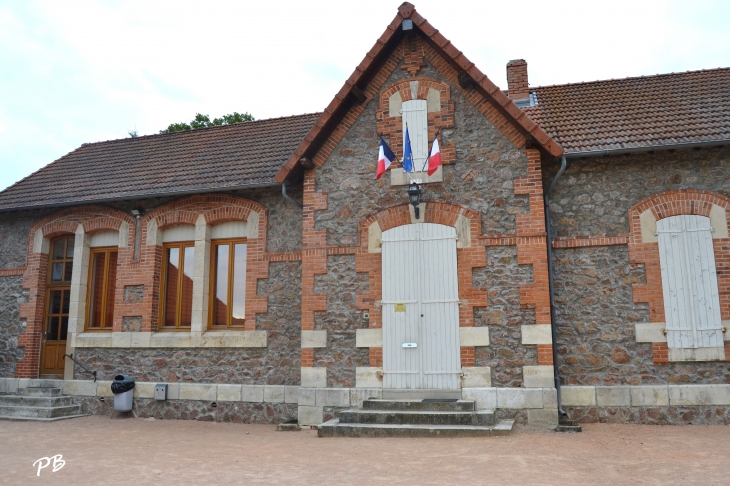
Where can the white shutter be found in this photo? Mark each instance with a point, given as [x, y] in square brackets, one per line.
[689, 284]
[415, 115]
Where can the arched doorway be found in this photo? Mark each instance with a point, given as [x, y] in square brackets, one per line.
[420, 308]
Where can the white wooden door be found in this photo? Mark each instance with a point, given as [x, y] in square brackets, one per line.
[415, 117]
[689, 283]
[420, 308]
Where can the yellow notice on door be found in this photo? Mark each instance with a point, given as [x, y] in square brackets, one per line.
[400, 307]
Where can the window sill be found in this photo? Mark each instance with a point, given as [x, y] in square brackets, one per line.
[212, 339]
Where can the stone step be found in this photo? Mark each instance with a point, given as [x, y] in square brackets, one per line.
[419, 405]
[425, 417]
[35, 401]
[40, 391]
[334, 428]
[419, 394]
[38, 419]
[39, 412]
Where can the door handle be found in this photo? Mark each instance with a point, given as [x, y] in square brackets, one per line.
[410, 345]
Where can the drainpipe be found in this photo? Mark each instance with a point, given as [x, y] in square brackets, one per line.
[553, 325]
[288, 197]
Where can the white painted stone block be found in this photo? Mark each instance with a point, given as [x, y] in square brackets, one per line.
[476, 377]
[519, 398]
[307, 396]
[309, 415]
[314, 377]
[291, 395]
[121, 339]
[369, 338]
[549, 398]
[233, 339]
[198, 391]
[94, 339]
[484, 398]
[83, 388]
[104, 389]
[649, 396]
[718, 221]
[229, 393]
[252, 393]
[536, 334]
[333, 397]
[314, 339]
[274, 393]
[140, 339]
[699, 395]
[144, 390]
[173, 391]
[474, 336]
[369, 377]
[650, 332]
[538, 376]
[648, 227]
[613, 396]
[578, 396]
[542, 417]
[358, 395]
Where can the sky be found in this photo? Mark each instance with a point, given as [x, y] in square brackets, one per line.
[73, 72]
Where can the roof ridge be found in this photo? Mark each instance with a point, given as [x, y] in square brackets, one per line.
[198, 130]
[643, 76]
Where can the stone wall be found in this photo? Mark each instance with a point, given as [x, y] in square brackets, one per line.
[595, 310]
[11, 296]
[341, 284]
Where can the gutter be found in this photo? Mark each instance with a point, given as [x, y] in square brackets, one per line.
[289, 198]
[139, 196]
[553, 321]
[652, 148]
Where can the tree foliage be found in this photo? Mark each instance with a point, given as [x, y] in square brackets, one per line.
[204, 121]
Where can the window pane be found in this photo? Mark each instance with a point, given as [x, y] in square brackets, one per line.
[70, 247]
[68, 271]
[96, 287]
[55, 305]
[66, 300]
[59, 249]
[64, 328]
[110, 289]
[186, 310]
[239, 285]
[52, 329]
[172, 260]
[56, 272]
[220, 301]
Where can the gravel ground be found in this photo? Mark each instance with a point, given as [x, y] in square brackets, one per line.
[100, 450]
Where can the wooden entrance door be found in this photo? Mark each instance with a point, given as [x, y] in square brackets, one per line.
[58, 298]
[420, 308]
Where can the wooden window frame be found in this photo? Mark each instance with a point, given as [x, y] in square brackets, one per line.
[65, 260]
[163, 286]
[93, 251]
[231, 242]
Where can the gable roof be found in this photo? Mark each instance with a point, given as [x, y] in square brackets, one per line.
[390, 38]
[647, 111]
[234, 156]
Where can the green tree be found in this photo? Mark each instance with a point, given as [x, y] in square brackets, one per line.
[204, 121]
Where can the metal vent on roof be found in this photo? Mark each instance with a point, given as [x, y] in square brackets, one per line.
[527, 102]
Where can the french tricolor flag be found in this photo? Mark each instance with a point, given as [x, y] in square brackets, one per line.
[385, 158]
[434, 160]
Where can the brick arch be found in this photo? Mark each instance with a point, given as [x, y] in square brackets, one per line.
[439, 212]
[66, 221]
[664, 205]
[404, 88]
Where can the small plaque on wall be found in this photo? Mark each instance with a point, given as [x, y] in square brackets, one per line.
[400, 307]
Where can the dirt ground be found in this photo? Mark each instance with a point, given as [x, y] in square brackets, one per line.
[100, 450]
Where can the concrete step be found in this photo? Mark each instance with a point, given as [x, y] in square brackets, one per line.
[39, 412]
[419, 394]
[37, 419]
[40, 391]
[334, 428]
[424, 417]
[418, 405]
[35, 401]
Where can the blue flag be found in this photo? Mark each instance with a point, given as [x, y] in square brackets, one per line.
[407, 154]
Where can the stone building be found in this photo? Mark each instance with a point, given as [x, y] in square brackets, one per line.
[264, 273]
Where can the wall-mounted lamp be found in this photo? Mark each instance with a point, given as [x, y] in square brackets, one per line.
[414, 197]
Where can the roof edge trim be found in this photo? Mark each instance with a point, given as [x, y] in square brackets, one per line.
[647, 148]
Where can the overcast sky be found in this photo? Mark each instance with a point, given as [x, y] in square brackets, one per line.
[83, 71]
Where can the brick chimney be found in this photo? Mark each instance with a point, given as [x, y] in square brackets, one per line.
[517, 79]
